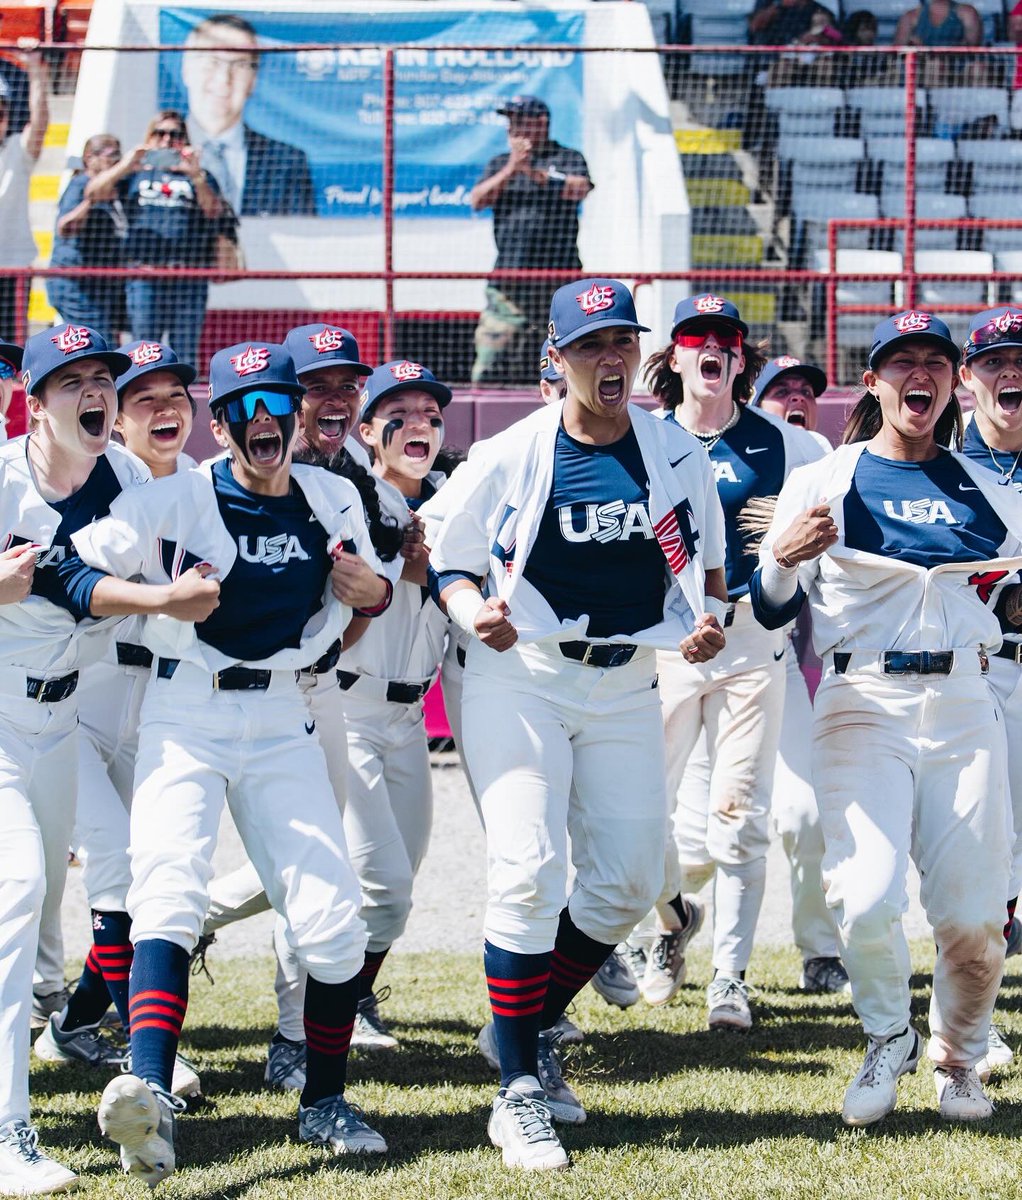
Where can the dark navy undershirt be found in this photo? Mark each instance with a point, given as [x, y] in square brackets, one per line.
[595, 550]
[277, 581]
[60, 575]
[748, 460]
[925, 513]
[1009, 462]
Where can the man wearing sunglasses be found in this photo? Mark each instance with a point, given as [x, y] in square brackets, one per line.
[225, 720]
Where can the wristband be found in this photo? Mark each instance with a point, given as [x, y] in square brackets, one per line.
[783, 561]
[716, 608]
[463, 608]
[382, 606]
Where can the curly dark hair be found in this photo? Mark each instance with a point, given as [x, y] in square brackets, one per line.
[666, 385]
[385, 533]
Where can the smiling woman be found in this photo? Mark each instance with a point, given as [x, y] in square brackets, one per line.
[906, 552]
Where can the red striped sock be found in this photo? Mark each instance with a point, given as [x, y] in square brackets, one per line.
[370, 969]
[157, 1003]
[517, 986]
[110, 933]
[329, 1019]
[575, 960]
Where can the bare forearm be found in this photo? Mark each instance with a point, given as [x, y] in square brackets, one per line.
[118, 598]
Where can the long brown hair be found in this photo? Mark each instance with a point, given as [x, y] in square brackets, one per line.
[667, 387]
[867, 419]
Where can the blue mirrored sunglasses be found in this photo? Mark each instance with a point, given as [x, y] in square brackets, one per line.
[7, 370]
[243, 408]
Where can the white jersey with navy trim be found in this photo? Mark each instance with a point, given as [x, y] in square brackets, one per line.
[407, 642]
[498, 501]
[37, 633]
[156, 533]
[867, 601]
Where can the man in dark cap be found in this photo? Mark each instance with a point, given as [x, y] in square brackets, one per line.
[534, 190]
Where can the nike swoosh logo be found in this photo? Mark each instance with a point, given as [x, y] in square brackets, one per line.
[963, 488]
[757, 450]
[778, 656]
[310, 729]
[678, 460]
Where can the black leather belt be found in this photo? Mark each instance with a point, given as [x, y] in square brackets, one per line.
[905, 662]
[599, 654]
[1010, 650]
[397, 693]
[325, 662]
[460, 655]
[729, 616]
[51, 691]
[231, 679]
[130, 655]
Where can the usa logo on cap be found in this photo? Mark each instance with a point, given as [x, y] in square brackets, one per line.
[596, 299]
[912, 322]
[406, 370]
[709, 304]
[786, 360]
[72, 338]
[251, 360]
[1008, 321]
[146, 353]
[327, 339]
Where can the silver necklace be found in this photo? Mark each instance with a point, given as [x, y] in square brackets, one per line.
[1006, 476]
[711, 437]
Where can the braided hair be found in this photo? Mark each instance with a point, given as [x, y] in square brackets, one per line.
[385, 533]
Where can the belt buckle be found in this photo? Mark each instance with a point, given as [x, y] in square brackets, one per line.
[1018, 653]
[40, 694]
[216, 681]
[984, 661]
[895, 663]
[590, 646]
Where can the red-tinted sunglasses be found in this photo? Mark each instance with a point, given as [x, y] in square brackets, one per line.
[727, 337]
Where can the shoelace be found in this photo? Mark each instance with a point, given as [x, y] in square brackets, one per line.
[959, 1083]
[25, 1141]
[731, 991]
[875, 1056]
[549, 1057]
[532, 1117]
[197, 961]
[665, 949]
[340, 1112]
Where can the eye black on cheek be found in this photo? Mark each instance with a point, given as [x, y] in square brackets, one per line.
[387, 434]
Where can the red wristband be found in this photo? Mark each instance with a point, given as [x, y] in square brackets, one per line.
[382, 606]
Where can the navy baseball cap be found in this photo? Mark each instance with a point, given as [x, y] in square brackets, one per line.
[777, 368]
[54, 348]
[10, 359]
[153, 356]
[251, 367]
[911, 325]
[315, 346]
[578, 308]
[524, 106]
[709, 308]
[400, 376]
[993, 327]
[547, 370]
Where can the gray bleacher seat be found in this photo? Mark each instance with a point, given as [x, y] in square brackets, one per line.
[718, 23]
[929, 206]
[998, 152]
[813, 207]
[1011, 261]
[935, 292]
[856, 329]
[991, 177]
[954, 108]
[804, 110]
[998, 206]
[882, 110]
[932, 158]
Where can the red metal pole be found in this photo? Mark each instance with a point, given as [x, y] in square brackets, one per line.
[909, 261]
[388, 205]
[831, 303]
[21, 286]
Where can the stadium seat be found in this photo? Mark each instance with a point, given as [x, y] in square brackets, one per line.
[864, 262]
[998, 206]
[935, 292]
[1011, 261]
[933, 156]
[934, 206]
[719, 23]
[807, 111]
[955, 108]
[989, 177]
[882, 110]
[992, 152]
[812, 210]
[24, 20]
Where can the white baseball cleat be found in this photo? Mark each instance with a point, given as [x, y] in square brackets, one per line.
[24, 1169]
[873, 1093]
[999, 1054]
[727, 999]
[615, 982]
[520, 1126]
[185, 1082]
[370, 1032]
[960, 1094]
[141, 1121]
[85, 1045]
[335, 1123]
[665, 963]
[285, 1065]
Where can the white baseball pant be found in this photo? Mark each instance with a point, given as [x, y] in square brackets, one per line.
[452, 671]
[260, 752]
[38, 780]
[1005, 681]
[389, 813]
[534, 723]
[916, 765]
[737, 699]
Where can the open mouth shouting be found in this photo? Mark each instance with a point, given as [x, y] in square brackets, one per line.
[165, 432]
[918, 400]
[1009, 398]
[93, 420]
[417, 449]
[711, 366]
[611, 389]
[333, 426]
[265, 447]
[796, 416]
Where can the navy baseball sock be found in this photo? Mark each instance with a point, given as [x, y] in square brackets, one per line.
[329, 1019]
[370, 969]
[681, 908]
[575, 960]
[157, 1001]
[517, 984]
[90, 999]
[1012, 904]
[112, 943]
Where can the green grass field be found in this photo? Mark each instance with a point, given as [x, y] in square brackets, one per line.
[674, 1110]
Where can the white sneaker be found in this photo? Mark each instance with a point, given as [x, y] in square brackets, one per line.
[24, 1169]
[568, 1033]
[142, 1122]
[285, 1065]
[665, 962]
[369, 1031]
[873, 1093]
[185, 1082]
[43, 1007]
[727, 999]
[564, 1105]
[520, 1126]
[960, 1094]
[615, 982]
[85, 1045]
[335, 1123]
[999, 1054]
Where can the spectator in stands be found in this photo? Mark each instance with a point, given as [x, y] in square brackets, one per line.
[91, 232]
[862, 70]
[175, 215]
[1015, 35]
[937, 23]
[13, 89]
[19, 152]
[792, 23]
[534, 190]
[257, 175]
